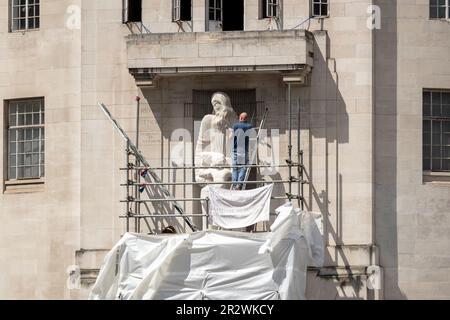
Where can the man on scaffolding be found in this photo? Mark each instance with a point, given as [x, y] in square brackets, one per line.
[240, 150]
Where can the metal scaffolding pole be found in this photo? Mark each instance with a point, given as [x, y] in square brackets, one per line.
[143, 216]
[290, 135]
[128, 187]
[300, 157]
[287, 197]
[132, 183]
[214, 167]
[136, 173]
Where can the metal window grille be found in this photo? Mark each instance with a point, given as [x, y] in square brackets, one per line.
[26, 139]
[25, 14]
[436, 130]
[439, 9]
[215, 10]
[319, 8]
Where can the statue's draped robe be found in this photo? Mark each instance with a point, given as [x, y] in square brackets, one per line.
[213, 149]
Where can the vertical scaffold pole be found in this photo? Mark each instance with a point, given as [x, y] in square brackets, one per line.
[290, 138]
[300, 157]
[137, 175]
[128, 185]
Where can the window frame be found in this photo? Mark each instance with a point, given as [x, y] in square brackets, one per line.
[320, 3]
[447, 10]
[216, 9]
[177, 12]
[129, 11]
[12, 18]
[41, 141]
[429, 116]
[271, 6]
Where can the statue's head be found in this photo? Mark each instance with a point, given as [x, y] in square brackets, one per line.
[223, 110]
[221, 103]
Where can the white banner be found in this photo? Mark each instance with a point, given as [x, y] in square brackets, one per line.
[232, 209]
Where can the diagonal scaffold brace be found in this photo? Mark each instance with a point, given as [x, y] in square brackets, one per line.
[144, 161]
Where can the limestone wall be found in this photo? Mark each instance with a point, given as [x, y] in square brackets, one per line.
[413, 209]
[40, 226]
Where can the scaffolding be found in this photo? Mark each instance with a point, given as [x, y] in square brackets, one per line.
[138, 210]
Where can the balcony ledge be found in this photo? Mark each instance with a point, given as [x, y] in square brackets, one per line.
[154, 55]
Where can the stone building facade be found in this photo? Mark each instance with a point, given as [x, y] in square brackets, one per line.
[373, 100]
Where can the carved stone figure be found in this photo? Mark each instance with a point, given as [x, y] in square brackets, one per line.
[214, 143]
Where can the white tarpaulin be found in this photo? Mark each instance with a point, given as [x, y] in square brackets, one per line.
[215, 264]
[231, 209]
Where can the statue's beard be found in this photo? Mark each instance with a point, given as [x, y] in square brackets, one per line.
[220, 120]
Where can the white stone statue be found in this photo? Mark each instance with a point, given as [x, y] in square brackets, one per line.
[214, 144]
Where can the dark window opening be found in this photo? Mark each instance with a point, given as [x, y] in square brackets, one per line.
[233, 15]
[269, 8]
[132, 11]
[439, 9]
[186, 10]
[436, 130]
[24, 15]
[26, 139]
[320, 8]
[182, 10]
[215, 10]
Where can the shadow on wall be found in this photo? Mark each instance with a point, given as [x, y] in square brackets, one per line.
[386, 147]
[328, 119]
[331, 123]
[160, 208]
[324, 114]
[385, 171]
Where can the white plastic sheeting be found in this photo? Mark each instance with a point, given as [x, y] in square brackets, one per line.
[215, 264]
[232, 209]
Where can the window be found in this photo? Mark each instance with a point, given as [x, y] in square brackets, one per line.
[176, 10]
[182, 10]
[25, 139]
[439, 9]
[319, 8]
[24, 15]
[225, 15]
[215, 10]
[132, 11]
[269, 8]
[436, 130]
